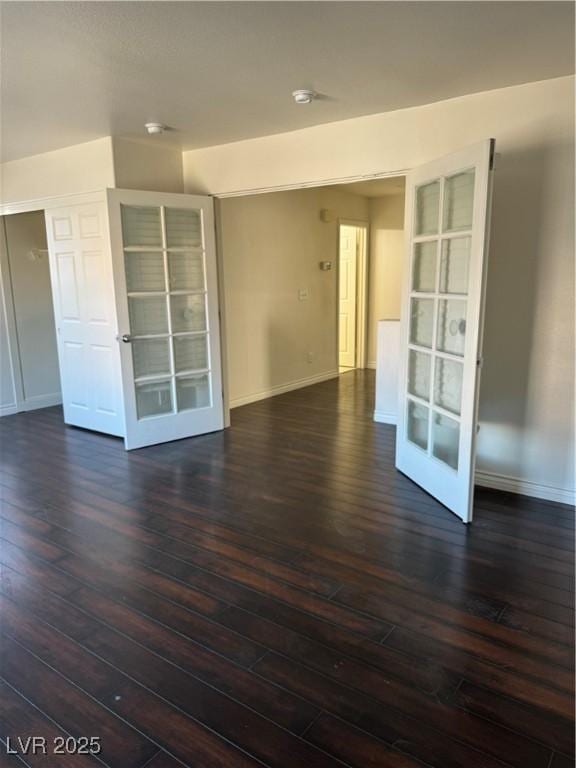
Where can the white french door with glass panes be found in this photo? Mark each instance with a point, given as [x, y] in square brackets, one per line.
[165, 282]
[447, 229]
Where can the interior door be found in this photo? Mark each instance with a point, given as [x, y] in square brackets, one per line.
[165, 280]
[347, 296]
[85, 315]
[447, 228]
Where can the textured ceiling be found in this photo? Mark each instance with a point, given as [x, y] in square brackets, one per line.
[219, 72]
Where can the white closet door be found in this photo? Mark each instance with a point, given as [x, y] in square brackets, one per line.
[447, 228]
[165, 280]
[85, 314]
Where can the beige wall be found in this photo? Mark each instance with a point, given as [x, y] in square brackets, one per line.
[386, 216]
[33, 311]
[106, 162]
[147, 165]
[80, 168]
[527, 393]
[272, 245]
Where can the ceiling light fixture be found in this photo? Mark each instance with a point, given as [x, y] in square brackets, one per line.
[155, 128]
[303, 96]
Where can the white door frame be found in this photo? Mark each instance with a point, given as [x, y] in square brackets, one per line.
[401, 172]
[361, 292]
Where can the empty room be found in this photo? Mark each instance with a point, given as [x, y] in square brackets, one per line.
[287, 382]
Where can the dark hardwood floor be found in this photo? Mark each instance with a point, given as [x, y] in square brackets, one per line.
[276, 595]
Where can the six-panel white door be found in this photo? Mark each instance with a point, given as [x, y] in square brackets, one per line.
[85, 315]
[447, 228]
[165, 282]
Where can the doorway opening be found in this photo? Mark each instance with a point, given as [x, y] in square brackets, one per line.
[30, 375]
[287, 326]
[352, 294]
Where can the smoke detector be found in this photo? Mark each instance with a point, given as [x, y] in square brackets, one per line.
[303, 96]
[154, 128]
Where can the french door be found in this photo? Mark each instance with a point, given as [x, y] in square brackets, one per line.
[447, 229]
[166, 295]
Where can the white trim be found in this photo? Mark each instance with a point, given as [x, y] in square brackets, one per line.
[312, 184]
[385, 417]
[41, 401]
[282, 388]
[371, 364]
[32, 404]
[57, 201]
[525, 487]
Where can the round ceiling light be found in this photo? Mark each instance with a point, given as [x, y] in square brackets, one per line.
[155, 128]
[303, 96]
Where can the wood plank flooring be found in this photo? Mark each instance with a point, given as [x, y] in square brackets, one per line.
[276, 595]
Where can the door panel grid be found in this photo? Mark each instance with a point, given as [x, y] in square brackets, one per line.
[164, 263]
[438, 310]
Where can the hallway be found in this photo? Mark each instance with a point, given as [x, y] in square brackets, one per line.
[276, 594]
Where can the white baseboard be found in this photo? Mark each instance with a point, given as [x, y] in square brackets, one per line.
[282, 388]
[385, 417]
[524, 487]
[41, 401]
[32, 404]
[505, 482]
[371, 364]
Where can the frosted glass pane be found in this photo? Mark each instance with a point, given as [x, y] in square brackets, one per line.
[427, 208]
[141, 226]
[148, 315]
[421, 321]
[424, 271]
[186, 271]
[454, 265]
[445, 439]
[451, 333]
[458, 201]
[183, 228]
[153, 398]
[144, 271]
[190, 353]
[417, 428]
[419, 374]
[188, 313]
[151, 357]
[448, 384]
[193, 392]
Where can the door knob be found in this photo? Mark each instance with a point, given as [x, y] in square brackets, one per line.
[126, 338]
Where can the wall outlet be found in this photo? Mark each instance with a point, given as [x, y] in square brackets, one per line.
[310, 357]
[303, 294]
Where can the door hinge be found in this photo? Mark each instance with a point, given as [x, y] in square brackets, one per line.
[492, 163]
[480, 362]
